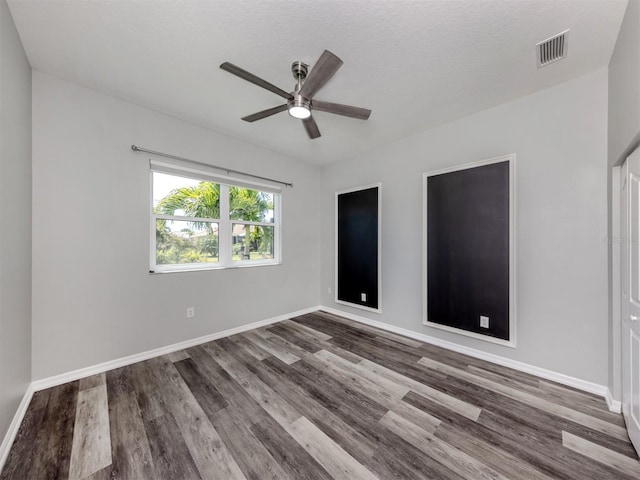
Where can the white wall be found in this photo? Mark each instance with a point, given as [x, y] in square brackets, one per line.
[559, 136]
[94, 301]
[624, 84]
[15, 220]
[93, 298]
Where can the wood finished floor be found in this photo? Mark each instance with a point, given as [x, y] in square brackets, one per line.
[318, 397]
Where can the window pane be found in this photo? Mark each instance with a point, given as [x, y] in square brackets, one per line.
[252, 242]
[250, 205]
[179, 242]
[173, 195]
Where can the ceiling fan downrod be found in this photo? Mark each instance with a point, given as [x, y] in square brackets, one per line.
[299, 106]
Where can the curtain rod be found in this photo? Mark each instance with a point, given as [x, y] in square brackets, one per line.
[228, 170]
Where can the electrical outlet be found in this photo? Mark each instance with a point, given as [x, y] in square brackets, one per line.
[329, 290]
[191, 312]
[363, 297]
[484, 321]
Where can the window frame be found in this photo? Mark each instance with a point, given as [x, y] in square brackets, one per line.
[257, 224]
[225, 223]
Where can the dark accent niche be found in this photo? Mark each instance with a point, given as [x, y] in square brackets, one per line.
[357, 247]
[468, 249]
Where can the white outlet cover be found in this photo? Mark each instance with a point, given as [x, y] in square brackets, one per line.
[484, 321]
[363, 297]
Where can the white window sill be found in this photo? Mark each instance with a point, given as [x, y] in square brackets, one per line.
[207, 269]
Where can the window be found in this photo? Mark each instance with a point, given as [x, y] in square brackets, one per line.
[202, 221]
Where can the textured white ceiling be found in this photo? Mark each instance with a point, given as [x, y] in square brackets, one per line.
[416, 64]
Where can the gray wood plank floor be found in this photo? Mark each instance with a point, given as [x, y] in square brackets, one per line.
[318, 397]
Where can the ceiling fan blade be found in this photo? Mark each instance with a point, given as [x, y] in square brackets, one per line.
[311, 127]
[326, 66]
[250, 77]
[340, 109]
[265, 113]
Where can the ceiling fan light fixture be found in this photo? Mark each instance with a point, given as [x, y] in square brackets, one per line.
[298, 108]
[299, 112]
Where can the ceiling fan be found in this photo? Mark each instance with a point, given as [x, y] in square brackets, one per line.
[300, 102]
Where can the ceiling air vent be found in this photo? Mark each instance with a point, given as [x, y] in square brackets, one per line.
[552, 49]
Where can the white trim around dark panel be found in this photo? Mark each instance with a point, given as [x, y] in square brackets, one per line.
[335, 214]
[511, 158]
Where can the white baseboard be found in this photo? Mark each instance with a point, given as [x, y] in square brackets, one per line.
[614, 405]
[139, 357]
[574, 382]
[5, 447]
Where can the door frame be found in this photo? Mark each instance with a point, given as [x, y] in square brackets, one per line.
[614, 245]
[613, 239]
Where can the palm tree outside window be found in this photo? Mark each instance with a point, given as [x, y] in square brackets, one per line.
[200, 224]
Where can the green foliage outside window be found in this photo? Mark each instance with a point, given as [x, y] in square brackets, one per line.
[197, 241]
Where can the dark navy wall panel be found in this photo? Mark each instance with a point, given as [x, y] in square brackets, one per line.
[357, 247]
[468, 249]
